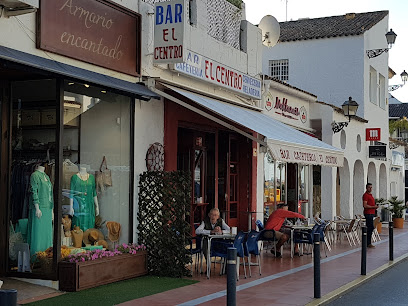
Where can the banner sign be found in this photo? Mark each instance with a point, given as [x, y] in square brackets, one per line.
[169, 32]
[377, 151]
[282, 107]
[97, 32]
[201, 67]
[302, 155]
[373, 134]
[398, 159]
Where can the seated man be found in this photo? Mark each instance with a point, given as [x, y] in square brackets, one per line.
[213, 224]
[275, 222]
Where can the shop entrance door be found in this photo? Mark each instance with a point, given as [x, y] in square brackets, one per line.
[233, 182]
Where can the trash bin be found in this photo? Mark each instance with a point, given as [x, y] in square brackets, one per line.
[8, 297]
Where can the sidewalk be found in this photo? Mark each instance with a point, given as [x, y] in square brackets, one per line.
[287, 281]
[284, 281]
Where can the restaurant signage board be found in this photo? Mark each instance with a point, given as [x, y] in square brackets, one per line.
[295, 154]
[377, 151]
[208, 70]
[97, 32]
[281, 107]
[397, 159]
[169, 18]
[373, 134]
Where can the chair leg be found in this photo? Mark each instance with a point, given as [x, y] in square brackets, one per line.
[249, 264]
[259, 263]
[238, 268]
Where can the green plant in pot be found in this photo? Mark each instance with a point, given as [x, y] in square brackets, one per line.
[397, 211]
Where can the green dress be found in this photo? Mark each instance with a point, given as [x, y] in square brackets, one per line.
[40, 231]
[83, 193]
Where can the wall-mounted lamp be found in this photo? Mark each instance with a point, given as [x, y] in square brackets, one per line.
[390, 36]
[404, 78]
[350, 110]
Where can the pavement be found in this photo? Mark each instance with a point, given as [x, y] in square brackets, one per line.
[284, 281]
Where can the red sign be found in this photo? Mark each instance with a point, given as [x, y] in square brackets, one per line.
[373, 134]
[98, 32]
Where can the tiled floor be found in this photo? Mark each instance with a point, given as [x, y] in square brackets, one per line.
[285, 281]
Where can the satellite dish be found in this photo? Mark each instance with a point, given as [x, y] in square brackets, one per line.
[270, 30]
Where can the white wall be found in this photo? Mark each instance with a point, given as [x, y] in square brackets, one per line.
[331, 68]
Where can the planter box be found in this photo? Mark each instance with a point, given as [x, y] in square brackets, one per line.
[76, 276]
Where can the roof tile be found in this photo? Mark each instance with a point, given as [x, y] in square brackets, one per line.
[326, 27]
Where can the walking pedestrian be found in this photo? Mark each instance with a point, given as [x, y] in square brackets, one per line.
[369, 212]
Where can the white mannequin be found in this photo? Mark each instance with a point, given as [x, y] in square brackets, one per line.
[83, 175]
[38, 212]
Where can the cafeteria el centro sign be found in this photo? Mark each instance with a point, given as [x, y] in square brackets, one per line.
[206, 69]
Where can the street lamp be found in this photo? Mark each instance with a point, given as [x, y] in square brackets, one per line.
[404, 78]
[390, 36]
[350, 110]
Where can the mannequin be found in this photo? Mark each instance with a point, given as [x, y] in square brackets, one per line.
[40, 216]
[83, 190]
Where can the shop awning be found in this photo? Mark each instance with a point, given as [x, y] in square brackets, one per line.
[73, 72]
[285, 143]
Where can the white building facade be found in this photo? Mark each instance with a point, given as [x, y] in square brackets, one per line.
[332, 63]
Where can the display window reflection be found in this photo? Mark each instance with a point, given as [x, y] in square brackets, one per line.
[96, 167]
[274, 183]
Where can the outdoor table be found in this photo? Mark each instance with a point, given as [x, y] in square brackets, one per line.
[209, 238]
[294, 228]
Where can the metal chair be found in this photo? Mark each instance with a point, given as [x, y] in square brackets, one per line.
[197, 251]
[251, 247]
[219, 248]
[270, 236]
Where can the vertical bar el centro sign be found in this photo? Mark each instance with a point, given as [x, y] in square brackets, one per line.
[98, 32]
[169, 32]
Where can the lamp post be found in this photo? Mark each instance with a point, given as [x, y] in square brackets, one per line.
[390, 36]
[404, 78]
[350, 110]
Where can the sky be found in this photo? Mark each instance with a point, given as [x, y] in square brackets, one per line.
[398, 12]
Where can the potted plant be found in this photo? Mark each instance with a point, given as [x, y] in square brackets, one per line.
[381, 202]
[89, 269]
[397, 211]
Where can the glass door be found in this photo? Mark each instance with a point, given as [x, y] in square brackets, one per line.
[233, 182]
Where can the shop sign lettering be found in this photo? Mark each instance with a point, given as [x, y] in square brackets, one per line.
[169, 32]
[211, 71]
[97, 32]
[305, 156]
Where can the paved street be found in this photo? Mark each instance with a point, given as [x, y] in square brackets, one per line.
[389, 288]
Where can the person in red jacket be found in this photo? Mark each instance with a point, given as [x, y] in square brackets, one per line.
[369, 212]
[275, 222]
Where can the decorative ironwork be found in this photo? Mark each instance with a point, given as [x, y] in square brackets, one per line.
[338, 126]
[394, 87]
[155, 157]
[376, 52]
[393, 146]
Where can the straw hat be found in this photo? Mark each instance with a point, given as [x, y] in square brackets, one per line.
[92, 235]
[102, 243]
[113, 230]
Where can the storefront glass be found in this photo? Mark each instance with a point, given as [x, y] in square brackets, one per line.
[96, 124]
[96, 167]
[303, 190]
[33, 151]
[274, 184]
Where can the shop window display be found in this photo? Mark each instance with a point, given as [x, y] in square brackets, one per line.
[96, 124]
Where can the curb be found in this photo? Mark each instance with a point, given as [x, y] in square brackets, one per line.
[356, 283]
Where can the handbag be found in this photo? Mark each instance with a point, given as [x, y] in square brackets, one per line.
[103, 177]
[106, 173]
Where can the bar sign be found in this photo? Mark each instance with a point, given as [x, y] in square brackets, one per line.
[373, 134]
